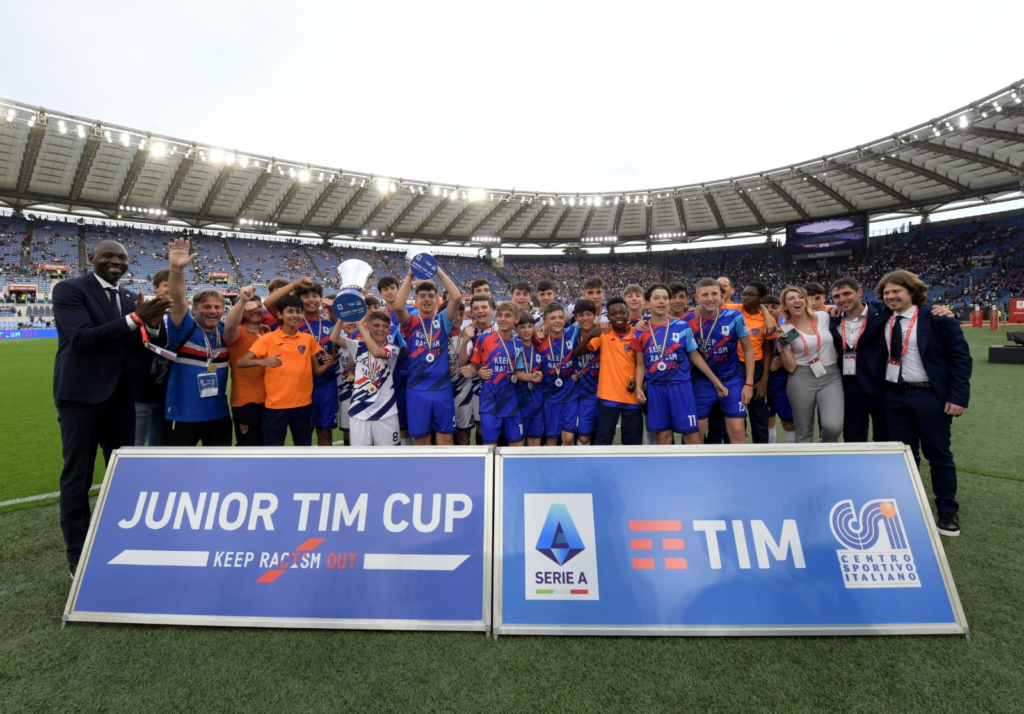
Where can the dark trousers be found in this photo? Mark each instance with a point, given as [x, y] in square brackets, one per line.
[859, 406]
[608, 418]
[716, 427]
[84, 427]
[757, 411]
[916, 418]
[277, 422]
[215, 432]
[248, 420]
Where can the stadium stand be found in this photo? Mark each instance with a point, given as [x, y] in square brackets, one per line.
[972, 261]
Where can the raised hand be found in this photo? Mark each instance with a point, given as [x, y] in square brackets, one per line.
[247, 293]
[178, 253]
[304, 283]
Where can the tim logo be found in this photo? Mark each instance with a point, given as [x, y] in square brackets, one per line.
[561, 556]
[875, 550]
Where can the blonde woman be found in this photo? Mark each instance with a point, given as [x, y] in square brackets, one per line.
[809, 355]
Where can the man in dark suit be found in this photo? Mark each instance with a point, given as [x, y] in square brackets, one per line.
[928, 376]
[857, 335]
[98, 325]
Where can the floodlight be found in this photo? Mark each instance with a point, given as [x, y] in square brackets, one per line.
[125, 139]
[303, 175]
[216, 156]
[62, 126]
[963, 121]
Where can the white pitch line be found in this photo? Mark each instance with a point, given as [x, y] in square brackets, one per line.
[411, 561]
[40, 497]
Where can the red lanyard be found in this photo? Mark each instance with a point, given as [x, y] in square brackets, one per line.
[906, 335]
[807, 348]
[842, 331]
[142, 328]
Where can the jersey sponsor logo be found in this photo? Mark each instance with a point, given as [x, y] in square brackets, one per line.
[561, 553]
[876, 553]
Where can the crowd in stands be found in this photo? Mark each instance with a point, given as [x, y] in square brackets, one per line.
[976, 261]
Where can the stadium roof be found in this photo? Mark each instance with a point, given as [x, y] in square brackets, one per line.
[50, 159]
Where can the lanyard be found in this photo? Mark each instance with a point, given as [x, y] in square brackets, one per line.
[906, 335]
[561, 353]
[700, 328]
[429, 338]
[374, 366]
[807, 349]
[533, 352]
[664, 342]
[142, 328]
[319, 326]
[842, 331]
[209, 349]
[511, 363]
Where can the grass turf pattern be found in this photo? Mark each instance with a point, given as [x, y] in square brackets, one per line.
[91, 667]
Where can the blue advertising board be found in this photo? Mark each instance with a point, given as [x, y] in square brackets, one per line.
[30, 334]
[736, 540]
[289, 537]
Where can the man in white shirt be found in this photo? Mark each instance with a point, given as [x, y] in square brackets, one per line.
[928, 377]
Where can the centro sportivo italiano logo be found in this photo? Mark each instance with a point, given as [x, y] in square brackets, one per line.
[561, 556]
[877, 554]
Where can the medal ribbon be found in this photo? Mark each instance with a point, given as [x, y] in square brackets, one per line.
[429, 338]
[511, 362]
[210, 350]
[711, 332]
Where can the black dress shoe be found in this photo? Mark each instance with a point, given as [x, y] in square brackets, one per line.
[73, 567]
[949, 524]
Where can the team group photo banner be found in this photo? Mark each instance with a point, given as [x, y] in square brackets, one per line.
[291, 537]
[815, 539]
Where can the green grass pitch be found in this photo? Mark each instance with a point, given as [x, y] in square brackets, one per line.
[91, 667]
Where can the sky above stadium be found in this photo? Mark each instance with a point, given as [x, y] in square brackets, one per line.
[548, 96]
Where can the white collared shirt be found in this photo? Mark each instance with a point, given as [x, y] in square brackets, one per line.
[913, 367]
[108, 286]
[852, 327]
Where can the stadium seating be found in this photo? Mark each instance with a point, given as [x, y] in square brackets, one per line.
[978, 260]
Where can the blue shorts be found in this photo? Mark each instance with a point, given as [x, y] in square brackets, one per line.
[492, 427]
[325, 407]
[778, 400]
[534, 427]
[403, 414]
[587, 414]
[430, 411]
[732, 406]
[559, 417]
[671, 406]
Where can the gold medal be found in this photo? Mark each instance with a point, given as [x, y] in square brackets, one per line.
[211, 367]
[351, 378]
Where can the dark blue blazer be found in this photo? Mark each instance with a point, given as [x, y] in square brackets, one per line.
[945, 354]
[93, 341]
[872, 354]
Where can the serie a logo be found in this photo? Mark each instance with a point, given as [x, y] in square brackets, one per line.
[876, 552]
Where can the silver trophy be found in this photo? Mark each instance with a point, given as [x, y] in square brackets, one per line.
[350, 305]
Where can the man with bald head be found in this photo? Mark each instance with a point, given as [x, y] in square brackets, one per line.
[98, 325]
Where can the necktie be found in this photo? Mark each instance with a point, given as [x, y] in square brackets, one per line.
[896, 343]
[112, 296]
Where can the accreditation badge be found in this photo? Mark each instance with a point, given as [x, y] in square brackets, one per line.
[207, 385]
[892, 371]
[817, 368]
[849, 364]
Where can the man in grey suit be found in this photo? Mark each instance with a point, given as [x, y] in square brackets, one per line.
[98, 324]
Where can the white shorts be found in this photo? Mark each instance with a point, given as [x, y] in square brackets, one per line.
[343, 414]
[374, 432]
